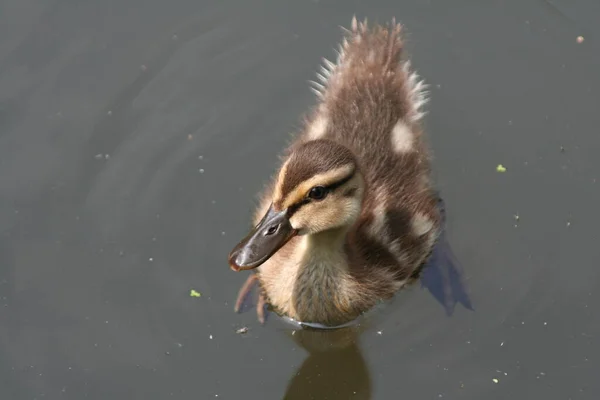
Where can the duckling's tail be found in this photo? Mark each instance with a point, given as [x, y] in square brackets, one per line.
[380, 47]
[373, 53]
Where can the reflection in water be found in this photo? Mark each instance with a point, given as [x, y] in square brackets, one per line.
[334, 369]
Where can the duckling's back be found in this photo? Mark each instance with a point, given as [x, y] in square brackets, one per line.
[372, 102]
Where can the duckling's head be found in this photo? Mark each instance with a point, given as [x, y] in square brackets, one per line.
[319, 188]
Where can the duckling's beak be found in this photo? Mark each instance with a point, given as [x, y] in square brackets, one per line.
[271, 233]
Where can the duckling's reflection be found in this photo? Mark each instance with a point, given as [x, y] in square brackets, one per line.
[334, 369]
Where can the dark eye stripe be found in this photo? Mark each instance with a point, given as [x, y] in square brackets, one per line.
[331, 187]
[295, 207]
[339, 183]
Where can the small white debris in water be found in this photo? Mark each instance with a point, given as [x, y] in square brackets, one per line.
[495, 380]
[109, 113]
[242, 330]
[151, 259]
[210, 337]
[568, 224]
[379, 332]
[501, 344]
[200, 157]
[545, 323]
[201, 170]
[222, 233]
[106, 156]
[580, 39]
[98, 156]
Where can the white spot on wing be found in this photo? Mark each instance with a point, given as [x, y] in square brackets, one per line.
[421, 224]
[402, 137]
[396, 250]
[379, 230]
[318, 127]
[378, 227]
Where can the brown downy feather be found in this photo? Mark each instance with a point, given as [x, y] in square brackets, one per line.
[371, 106]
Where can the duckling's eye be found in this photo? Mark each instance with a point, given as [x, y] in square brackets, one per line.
[317, 193]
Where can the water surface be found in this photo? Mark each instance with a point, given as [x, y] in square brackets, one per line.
[135, 134]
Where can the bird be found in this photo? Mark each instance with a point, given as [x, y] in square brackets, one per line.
[351, 214]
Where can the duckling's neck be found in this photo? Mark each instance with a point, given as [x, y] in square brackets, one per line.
[324, 286]
[324, 244]
[323, 255]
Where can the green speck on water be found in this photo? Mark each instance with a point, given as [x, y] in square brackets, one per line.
[194, 293]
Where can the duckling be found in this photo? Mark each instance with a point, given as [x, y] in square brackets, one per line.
[352, 214]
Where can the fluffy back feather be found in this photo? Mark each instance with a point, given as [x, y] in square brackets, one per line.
[374, 51]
